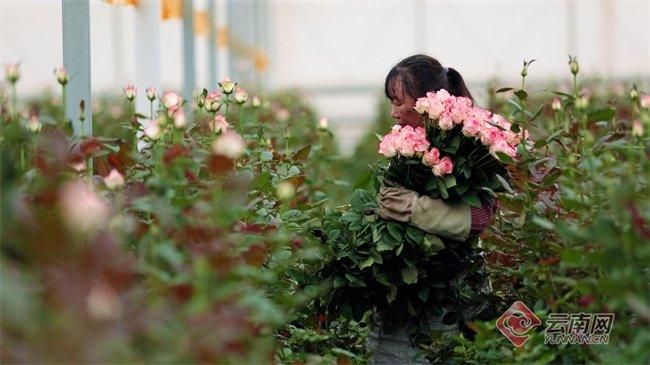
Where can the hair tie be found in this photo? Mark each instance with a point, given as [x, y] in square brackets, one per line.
[446, 70]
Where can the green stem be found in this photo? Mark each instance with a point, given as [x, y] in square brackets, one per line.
[14, 100]
[65, 110]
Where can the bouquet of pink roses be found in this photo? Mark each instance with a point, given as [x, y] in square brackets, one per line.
[459, 154]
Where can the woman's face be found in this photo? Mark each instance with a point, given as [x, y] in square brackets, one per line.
[402, 107]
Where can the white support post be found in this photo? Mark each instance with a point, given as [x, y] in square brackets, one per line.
[212, 46]
[147, 53]
[76, 60]
[189, 81]
[223, 53]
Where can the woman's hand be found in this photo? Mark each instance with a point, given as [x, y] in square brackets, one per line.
[454, 221]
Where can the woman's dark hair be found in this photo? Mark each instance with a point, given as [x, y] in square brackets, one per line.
[421, 74]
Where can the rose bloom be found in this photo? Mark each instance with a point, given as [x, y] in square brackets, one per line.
[490, 134]
[502, 145]
[556, 104]
[446, 121]
[645, 101]
[82, 209]
[114, 180]
[387, 146]
[213, 101]
[501, 122]
[444, 167]
[180, 121]
[229, 144]
[240, 95]
[218, 124]
[431, 158]
[405, 143]
[471, 127]
[461, 109]
[422, 105]
[227, 86]
[171, 100]
[153, 129]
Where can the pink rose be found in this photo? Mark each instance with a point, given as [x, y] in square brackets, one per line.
[171, 100]
[431, 158]
[443, 167]
[130, 92]
[422, 105]
[471, 127]
[436, 107]
[501, 121]
[218, 124]
[387, 146]
[213, 102]
[446, 121]
[503, 146]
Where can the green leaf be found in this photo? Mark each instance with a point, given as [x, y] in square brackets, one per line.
[521, 94]
[302, 153]
[392, 294]
[472, 199]
[503, 89]
[395, 231]
[410, 275]
[366, 263]
[504, 158]
[449, 181]
[542, 222]
[602, 114]
[504, 183]
[441, 188]
[424, 294]
[364, 180]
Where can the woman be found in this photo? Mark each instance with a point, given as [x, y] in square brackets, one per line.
[407, 81]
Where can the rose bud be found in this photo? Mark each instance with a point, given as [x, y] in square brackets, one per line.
[171, 100]
[114, 180]
[256, 102]
[151, 93]
[573, 65]
[218, 124]
[12, 72]
[637, 129]
[130, 92]
[81, 208]
[213, 102]
[103, 303]
[179, 118]
[582, 102]
[285, 190]
[634, 93]
[645, 101]
[431, 158]
[323, 124]
[61, 75]
[227, 86]
[34, 125]
[229, 144]
[556, 104]
[240, 95]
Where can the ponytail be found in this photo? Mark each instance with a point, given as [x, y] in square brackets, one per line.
[457, 85]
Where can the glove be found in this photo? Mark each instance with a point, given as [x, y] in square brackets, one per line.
[435, 216]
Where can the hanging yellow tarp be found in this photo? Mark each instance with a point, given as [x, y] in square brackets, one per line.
[201, 22]
[223, 37]
[123, 2]
[171, 9]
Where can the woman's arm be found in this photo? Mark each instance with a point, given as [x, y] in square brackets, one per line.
[454, 221]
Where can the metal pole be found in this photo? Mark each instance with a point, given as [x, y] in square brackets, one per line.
[188, 51]
[76, 60]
